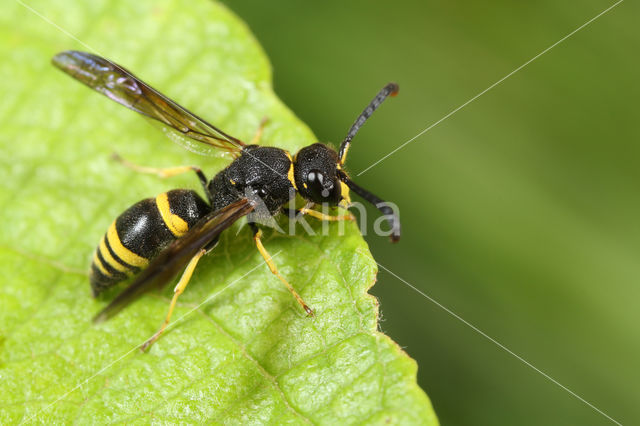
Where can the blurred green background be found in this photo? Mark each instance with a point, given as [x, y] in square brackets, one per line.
[520, 212]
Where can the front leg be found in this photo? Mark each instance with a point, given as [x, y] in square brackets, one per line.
[308, 210]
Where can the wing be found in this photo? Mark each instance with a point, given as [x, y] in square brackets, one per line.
[120, 85]
[175, 257]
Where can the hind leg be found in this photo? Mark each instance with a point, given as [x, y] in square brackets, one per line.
[179, 289]
[256, 138]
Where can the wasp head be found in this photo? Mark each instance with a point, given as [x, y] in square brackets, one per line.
[316, 171]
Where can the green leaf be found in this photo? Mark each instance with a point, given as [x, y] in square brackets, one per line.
[240, 350]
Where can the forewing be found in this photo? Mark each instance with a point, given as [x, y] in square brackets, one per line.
[174, 258]
[122, 86]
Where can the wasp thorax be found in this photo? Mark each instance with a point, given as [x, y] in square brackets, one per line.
[316, 174]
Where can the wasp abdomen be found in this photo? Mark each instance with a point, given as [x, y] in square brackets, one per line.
[141, 232]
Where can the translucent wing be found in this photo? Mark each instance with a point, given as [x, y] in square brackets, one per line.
[120, 85]
[174, 258]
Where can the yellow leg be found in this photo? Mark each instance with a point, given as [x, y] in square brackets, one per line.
[256, 138]
[182, 284]
[272, 267]
[322, 216]
[163, 173]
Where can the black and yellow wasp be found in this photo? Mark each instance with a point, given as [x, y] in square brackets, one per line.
[157, 237]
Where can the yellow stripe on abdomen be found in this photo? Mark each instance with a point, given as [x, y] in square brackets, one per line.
[99, 265]
[121, 251]
[106, 255]
[175, 223]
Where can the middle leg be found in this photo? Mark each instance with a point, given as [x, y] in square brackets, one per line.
[257, 237]
[165, 172]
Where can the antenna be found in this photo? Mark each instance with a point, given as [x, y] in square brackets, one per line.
[390, 89]
[380, 204]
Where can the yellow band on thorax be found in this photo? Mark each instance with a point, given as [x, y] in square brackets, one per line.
[290, 174]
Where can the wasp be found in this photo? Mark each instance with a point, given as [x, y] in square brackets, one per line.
[156, 238]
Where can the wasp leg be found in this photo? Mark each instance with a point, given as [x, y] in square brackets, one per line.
[256, 138]
[308, 210]
[322, 216]
[182, 284]
[166, 172]
[257, 237]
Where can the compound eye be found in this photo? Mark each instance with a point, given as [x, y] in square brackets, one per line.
[316, 183]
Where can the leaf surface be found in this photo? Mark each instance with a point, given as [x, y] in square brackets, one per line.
[240, 349]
